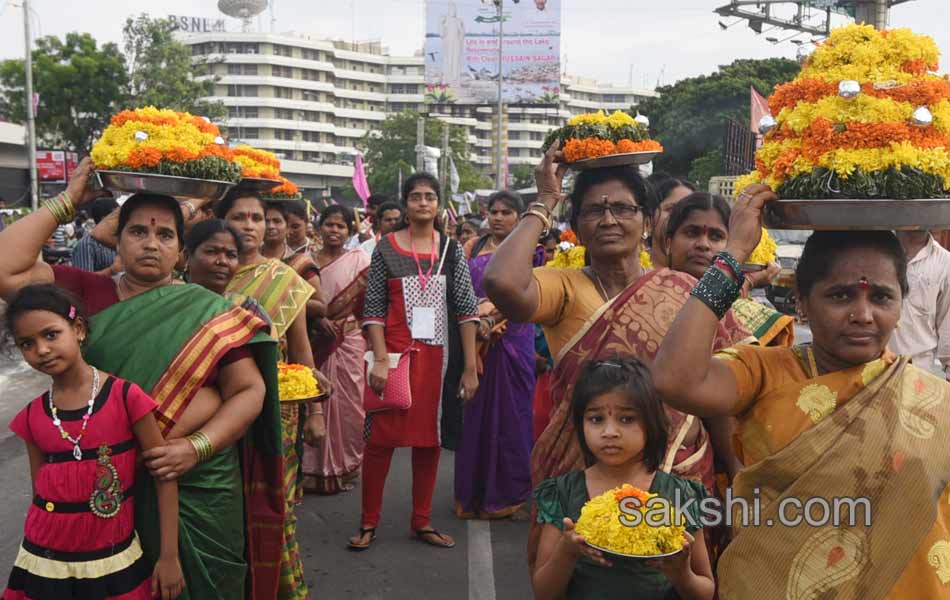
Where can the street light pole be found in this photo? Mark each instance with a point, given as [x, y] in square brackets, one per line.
[499, 166]
[30, 121]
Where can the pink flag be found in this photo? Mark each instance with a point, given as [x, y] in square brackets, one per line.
[360, 185]
[759, 108]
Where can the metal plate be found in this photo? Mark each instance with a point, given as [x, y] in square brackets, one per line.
[257, 184]
[179, 187]
[868, 214]
[632, 557]
[615, 160]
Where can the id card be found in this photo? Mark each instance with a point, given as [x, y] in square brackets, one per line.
[423, 323]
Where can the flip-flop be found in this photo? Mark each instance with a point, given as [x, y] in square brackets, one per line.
[421, 535]
[357, 547]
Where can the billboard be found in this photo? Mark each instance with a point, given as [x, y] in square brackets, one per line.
[51, 166]
[461, 52]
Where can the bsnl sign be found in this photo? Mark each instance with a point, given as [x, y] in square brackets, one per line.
[197, 24]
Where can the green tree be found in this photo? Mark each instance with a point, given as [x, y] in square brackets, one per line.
[689, 117]
[392, 148]
[161, 70]
[522, 176]
[80, 87]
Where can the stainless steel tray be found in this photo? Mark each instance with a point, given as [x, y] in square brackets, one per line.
[615, 160]
[179, 187]
[258, 184]
[868, 214]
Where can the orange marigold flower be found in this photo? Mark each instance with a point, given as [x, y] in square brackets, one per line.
[629, 491]
[569, 236]
[218, 150]
[144, 157]
[286, 188]
[180, 155]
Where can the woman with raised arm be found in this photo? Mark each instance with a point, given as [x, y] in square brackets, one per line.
[838, 418]
[607, 307]
[146, 330]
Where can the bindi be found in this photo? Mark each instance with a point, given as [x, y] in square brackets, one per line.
[864, 284]
[152, 221]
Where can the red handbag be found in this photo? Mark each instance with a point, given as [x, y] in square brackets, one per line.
[398, 394]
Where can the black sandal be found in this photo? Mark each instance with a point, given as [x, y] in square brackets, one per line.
[361, 547]
[422, 533]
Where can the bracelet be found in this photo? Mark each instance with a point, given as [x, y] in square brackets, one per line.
[542, 206]
[717, 291]
[202, 445]
[192, 211]
[61, 208]
[732, 264]
[545, 222]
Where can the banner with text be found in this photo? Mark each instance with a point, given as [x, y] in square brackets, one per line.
[461, 52]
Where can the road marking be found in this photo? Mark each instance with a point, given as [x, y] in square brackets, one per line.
[481, 570]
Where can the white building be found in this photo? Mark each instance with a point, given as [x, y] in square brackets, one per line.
[312, 100]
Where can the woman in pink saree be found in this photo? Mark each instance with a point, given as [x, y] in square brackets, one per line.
[339, 347]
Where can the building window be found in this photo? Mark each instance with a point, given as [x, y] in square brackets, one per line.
[238, 69]
[283, 113]
[537, 136]
[247, 133]
[241, 48]
[242, 112]
[242, 90]
[284, 134]
[278, 71]
[283, 92]
[283, 50]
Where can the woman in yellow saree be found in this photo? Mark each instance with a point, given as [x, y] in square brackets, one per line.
[839, 419]
[283, 295]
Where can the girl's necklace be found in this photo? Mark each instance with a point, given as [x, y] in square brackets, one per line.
[77, 452]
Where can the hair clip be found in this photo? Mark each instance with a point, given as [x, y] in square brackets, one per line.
[72, 312]
[608, 363]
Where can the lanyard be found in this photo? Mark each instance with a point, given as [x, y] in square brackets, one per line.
[424, 279]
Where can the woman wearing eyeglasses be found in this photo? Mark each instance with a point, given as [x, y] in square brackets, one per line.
[607, 307]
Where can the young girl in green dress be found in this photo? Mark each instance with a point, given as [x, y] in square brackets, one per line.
[623, 431]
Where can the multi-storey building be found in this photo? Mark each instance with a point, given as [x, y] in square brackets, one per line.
[311, 101]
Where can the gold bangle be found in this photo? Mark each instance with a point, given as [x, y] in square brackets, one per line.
[61, 209]
[541, 205]
[202, 445]
[545, 222]
[192, 211]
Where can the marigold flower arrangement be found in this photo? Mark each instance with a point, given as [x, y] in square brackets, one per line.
[764, 253]
[165, 142]
[573, 258]
[885, 134]
[287, 190]
[600, 524]
[596, 134]
[257, 163]
[296, 382]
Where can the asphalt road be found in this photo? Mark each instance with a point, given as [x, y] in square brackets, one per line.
[488, 562]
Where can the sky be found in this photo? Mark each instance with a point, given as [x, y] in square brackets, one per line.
[638, 42]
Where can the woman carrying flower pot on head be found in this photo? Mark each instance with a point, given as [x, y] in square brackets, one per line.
[838, 418]
[596, 311]
[147, 330]
[416, 274]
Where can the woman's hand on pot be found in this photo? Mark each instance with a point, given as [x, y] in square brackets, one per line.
[78, 187]
[745, 223]
[172, 460]
[549, 175]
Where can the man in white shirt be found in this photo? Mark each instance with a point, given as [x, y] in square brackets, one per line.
[924, 329]
[388, 217]
[364, 229]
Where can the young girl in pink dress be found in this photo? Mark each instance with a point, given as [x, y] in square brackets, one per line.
[82, 437]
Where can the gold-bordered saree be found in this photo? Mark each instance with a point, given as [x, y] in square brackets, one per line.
[878, 431]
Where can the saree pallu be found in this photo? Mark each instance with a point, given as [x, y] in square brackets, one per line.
[633, 323]
[492, 465]
[885, 440]
[768, 326]
[169, 341]
[283, 295]
[328, 467]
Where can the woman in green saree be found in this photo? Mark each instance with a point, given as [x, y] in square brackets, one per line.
[177, 341]
[839, 419]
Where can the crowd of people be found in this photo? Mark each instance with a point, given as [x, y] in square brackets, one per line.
[163, 339]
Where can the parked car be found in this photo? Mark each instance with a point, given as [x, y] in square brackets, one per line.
[790, 242]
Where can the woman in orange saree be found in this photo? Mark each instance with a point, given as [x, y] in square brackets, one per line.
[838, 420]
[607, 308]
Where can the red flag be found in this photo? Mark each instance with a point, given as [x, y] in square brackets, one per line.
[759, 108]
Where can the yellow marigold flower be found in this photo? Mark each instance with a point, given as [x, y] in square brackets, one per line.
[600, 524]
[620, 119]
[765, 252]
[588, 119]
[572, 258]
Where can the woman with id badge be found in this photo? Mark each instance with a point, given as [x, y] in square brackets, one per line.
[416, 274]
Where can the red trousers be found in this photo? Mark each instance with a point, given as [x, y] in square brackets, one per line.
[425, 469]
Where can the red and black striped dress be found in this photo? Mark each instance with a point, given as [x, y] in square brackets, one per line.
[69, 552]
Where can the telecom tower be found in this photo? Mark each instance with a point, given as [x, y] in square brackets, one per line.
[804, 16]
